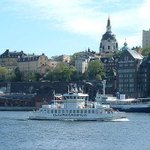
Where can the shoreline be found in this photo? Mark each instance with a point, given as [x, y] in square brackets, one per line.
[17, 108]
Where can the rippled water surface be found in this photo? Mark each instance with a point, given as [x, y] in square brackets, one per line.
[19, 133]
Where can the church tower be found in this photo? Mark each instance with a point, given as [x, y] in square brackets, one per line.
[108, 42]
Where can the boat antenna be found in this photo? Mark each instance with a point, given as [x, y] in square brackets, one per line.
[104, 86]
[68, 88]
[54, 97]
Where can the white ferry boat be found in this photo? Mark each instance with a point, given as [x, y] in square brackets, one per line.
[76, 106]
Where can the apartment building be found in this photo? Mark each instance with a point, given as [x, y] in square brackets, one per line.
[144, 78]
[110, 65]
[146, 38]
[34, 64]
[127, 73]
[81, 65]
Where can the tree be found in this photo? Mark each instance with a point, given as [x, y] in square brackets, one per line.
[117, 53]
[49, 75]
[37, 76]
[3, 72]
[18, 75]
[73, 58]
[96, 70]
[33, 76]
[70, 73]
[98, 77]
[146, 51]
[62, 72]
[10, 75]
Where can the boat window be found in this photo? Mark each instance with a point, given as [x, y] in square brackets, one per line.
[74, 111]
[89, 111]
[77, 111]
[66, 111]
[93, 111]
[59, 111]
[55, 111]
[63, 111]
[85, 111]
[81, 111]
[52, 111]
[70, 111]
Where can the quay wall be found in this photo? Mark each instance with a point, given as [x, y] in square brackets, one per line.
[31, 94]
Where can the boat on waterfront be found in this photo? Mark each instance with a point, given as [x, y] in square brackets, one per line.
[76, 106]
[125, 104]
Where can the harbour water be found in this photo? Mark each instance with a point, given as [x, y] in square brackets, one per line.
[19, 133]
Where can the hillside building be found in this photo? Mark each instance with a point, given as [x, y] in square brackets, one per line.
[9, 59]
[108, 42]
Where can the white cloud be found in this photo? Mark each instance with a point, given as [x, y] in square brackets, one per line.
[70, 15]
[144, 16]
[88, 17]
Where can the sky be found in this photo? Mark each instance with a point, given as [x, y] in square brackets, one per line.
[57, 27]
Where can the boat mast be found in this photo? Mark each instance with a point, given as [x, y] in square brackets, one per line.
[104, 86]
[54, 97]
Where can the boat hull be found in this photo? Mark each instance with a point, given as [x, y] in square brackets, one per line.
[138, 109]
[85, 117]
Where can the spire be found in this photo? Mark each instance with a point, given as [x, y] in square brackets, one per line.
[125, 43]
[108, 27]
[125, 47]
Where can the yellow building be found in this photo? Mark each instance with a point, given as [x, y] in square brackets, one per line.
[27, 64]
[34, 64]
[9, 59]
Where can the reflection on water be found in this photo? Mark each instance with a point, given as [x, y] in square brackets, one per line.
[17, 132]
